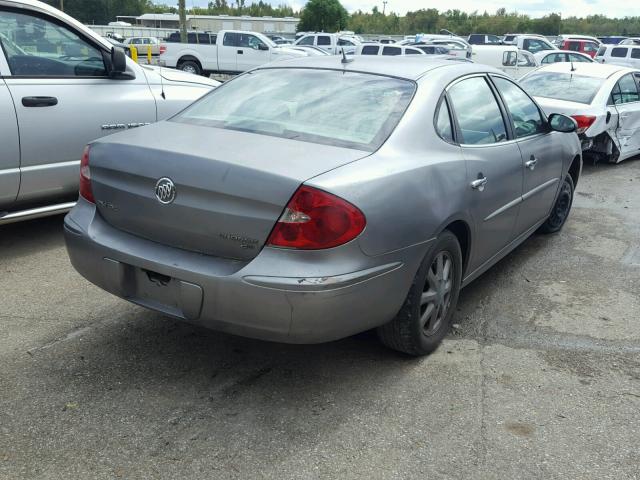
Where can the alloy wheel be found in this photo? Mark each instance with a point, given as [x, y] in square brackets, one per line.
[436, 294]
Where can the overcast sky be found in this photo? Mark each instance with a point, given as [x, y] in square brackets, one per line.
[535, 8]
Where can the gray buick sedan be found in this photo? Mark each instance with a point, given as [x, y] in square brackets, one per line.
[313, 199]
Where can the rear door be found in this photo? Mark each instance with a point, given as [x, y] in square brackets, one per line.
[63, 99]
[494, 166]
[324, 42]
[252, 52]
[626, 98]
[540, 149]
[228, 52]
[9, 146]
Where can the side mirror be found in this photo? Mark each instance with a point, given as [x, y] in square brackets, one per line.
[562, 123]
[262, 46]
[118, 61]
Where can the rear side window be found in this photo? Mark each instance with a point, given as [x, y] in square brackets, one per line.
[308, 40]
[578, 58]
[324, 40]
[554, 58]
[601, 51]
[231, 39]
[477, 112]
[443, 122]
[412, 51]
[526, 117]
[391, 51]
[635, 53]
[626, 91]
[619, 52]
[370, 50]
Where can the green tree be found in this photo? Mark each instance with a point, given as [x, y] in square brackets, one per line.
[323, 16]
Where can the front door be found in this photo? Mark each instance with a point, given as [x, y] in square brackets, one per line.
[9, 148]
[252, 52]
[539, 148]
[494, 167]
[63, 99]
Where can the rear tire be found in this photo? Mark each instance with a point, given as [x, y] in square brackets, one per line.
[425, 317]
[190, 66]
[561, 209]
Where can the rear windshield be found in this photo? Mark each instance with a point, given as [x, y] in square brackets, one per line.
[562, 86]
[332, 107]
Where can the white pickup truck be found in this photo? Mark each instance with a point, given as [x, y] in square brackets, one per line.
[230, 51]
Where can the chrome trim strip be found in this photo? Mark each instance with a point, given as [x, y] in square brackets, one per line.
[539, 188]
[46, 166]
[504, 208]
[36, 213]
[321, 284]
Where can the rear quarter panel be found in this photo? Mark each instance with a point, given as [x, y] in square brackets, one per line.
[412, 187]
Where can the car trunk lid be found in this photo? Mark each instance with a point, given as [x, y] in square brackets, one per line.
[230, 187]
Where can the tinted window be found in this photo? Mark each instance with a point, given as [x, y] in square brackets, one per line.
[36, 47]
[476, 39]
[526, 117]
[391, 51]
[429, 50]
[626, 91]
[443, 122]
[575, 46]
[635, 53]
[308, 40]
[204, 39]
[554, 58]
[231, 39]
[578, 58]
[324, 40]
[477, 112]
[332, 107]
[534, 45]
[619, 52]
[601, 51]
[562, 86]
[412, 51]
[343, 42]
[493, 39]
[370, 50]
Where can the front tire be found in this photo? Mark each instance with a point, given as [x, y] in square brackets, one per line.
[561, 209]
[425, 317]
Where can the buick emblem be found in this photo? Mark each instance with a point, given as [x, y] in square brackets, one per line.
[165, 191]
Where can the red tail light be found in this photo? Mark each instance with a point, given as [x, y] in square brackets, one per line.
[584, 122]
[85, 177]
[163, 48]
[314, 220]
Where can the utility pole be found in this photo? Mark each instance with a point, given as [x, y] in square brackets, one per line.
[182, 13]
[384, 6]
[62, 5]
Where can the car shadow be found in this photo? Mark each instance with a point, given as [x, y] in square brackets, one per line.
[31, 236]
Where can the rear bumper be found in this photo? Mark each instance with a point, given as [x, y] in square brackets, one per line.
[281, 295]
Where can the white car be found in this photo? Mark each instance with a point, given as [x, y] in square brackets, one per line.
[143, 43]
[457, 46]
[530, 43]
[546, 57]
[604, 100]
[626, 55]
[630, 41]
[508, 58]
[331, 42]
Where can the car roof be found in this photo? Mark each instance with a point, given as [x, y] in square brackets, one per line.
[596, 70]
[411, 67]
[544, 53]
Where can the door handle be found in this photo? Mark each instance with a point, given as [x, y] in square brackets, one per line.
[240, 52]
[531, 164]
[479, 183]
[39, 101]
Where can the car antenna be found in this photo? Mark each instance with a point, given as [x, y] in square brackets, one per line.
[573, 68]
[344, 57]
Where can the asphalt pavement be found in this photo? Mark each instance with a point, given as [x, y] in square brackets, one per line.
[540, 378]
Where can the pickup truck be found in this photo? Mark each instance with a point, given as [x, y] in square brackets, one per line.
[230, 51]
[329, 42]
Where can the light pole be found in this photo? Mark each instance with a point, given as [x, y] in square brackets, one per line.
[182, 16]
[62, 5]
[384, 6]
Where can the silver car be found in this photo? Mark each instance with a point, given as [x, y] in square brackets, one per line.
[313, 199]
[61, 86]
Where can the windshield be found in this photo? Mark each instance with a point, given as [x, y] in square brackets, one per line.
[562, 86]
[332, 107]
